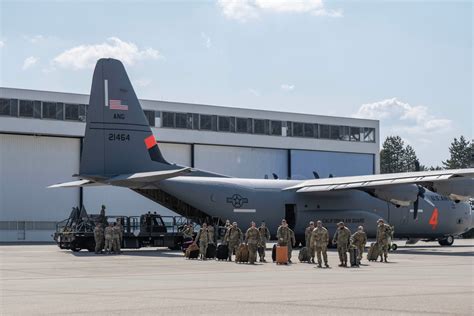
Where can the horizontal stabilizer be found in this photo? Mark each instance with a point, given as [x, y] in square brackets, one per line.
[148, 177]
[75, 184]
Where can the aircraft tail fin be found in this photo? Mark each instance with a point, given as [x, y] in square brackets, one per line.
[118, 138]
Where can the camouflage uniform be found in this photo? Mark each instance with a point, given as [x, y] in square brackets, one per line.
[307, 236]
[99, 239]
[384, 232]
[203, 238]
[188, 232]
[283, 235]
[233, 238]
[320, 240]
[108, 239]
[291, 244]
[264, 237]
[120, 230]
[210, 231]
[359, 239]
[342, 238]
[252, 238]
[116, 238]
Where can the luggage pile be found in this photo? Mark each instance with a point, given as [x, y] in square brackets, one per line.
[192, 251]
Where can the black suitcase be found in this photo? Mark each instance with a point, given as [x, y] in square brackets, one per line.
[222, 252]
[194, 254]
[353, 252]
[274, 253]
[211, 251]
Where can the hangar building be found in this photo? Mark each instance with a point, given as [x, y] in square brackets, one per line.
[40, 144]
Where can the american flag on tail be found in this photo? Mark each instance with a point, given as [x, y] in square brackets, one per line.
[117, 105]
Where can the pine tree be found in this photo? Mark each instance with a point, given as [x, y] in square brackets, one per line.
[460, 151]
[392, 155]
[410, 161]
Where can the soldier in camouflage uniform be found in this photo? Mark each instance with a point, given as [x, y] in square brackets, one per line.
[359, 239]
[291, 244]
[384, 232]
[108, 238]
[264, 237]
[252, 239]
[342, 239]
[210, 230]
[116, 238]
[120, 226]
[284, 237]
[203, 239]
[188, 232]
[99, 238]
[320, 240]
[233, 238]
[307, 237]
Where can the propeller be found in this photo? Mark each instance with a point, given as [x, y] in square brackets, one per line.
[330, 175]
[275, 176]
[421, 193]
[316, 175]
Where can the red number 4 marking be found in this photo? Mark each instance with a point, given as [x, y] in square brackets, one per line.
[434, 219]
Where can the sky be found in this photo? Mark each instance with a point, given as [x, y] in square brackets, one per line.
[408, 64]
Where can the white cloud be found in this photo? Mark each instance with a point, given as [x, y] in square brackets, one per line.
[243, 10]
[85, 56]
[2, 44]
[28, 62]
[287, 87]
[142, 82]
[34, 39]
[206, 39]
[404, 118]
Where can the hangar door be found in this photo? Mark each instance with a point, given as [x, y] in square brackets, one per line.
[28, 164]
[242, 162]
[304, 162]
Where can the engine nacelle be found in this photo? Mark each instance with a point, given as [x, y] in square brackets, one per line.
[401, 194]
[457, 189]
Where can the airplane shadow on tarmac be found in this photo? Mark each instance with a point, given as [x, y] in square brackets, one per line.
[164, 253]
[435, 251]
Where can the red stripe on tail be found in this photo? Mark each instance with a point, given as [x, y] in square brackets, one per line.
[150, 141]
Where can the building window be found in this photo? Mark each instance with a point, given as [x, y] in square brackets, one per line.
[308, 130]
[275, 128]
[150, 116]
[369, 135]
[324, 131]
[334, 132]
[82, 112]
[49, 110]
[205, 122]
[258, 126]
[344, 132]
[298, 129]
[60, 111]
[26, 108]
[181, 120]
[243, 125]
[37, 109]
[71, 112]
[355, 134]
[168, 119]
[316, 130]
[195, 121]
[224, 124]
[4, 106]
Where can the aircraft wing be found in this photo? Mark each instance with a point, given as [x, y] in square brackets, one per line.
[75, 184]
[457, 184]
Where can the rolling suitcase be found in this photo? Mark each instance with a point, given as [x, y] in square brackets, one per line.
[222, 252]
[282, 254]
[373, 252]
[192, 252]
[211, 251]
[304, 256]
[186, 244]
[353, 252]
[274, 254]
[242, 254]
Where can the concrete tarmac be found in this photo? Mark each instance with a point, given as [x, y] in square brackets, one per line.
[420, 279]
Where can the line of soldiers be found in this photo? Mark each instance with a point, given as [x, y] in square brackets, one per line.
[108, 239]
[317, 240]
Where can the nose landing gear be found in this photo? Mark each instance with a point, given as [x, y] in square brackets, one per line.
[447, 241]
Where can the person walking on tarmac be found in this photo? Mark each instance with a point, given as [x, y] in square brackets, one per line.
[99, 238]
[188, 232]
[102, 218]
[108, 238]
[264, 237]
[320, 240]
[342, 238]
[384, 233]
[359, 239]
[252, 239]
[233, 238]
[212, 235]
[116, 238]
[203, 239]
[307, 236]
[284, 237]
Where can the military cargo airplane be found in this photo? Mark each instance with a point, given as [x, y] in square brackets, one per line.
[119, 149]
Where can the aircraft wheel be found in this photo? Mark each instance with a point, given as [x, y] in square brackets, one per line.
[74, 249]
[448, 241]
[394, 247]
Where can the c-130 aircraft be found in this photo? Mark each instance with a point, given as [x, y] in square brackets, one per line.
[119, 149]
